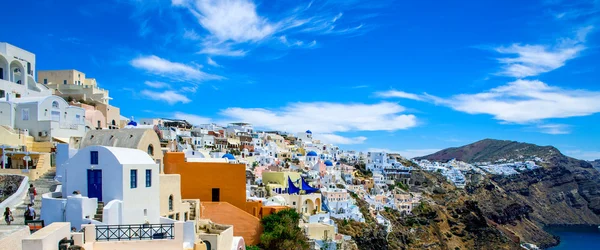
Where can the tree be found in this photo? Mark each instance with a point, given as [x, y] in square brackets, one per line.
[281, 231]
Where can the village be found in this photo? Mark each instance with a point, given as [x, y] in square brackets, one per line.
[102, 180]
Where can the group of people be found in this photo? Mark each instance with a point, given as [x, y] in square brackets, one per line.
[29, 214]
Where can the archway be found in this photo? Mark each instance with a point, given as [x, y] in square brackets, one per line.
[308, 206]
[17, 72]
[3, 68]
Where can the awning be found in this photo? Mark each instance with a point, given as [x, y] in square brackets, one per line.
[61, 139]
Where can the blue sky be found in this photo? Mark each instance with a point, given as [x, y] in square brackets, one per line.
[404, 76]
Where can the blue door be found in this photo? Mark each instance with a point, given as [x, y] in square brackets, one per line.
[94, 177]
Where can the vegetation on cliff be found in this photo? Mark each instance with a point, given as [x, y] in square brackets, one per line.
[281, 231]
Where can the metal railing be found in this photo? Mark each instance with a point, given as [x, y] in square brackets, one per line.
[134, 232]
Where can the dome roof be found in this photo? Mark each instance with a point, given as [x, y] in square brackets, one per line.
[328, 163]
[132, 123]
[312, 153]
[308, 132]
[229, 156]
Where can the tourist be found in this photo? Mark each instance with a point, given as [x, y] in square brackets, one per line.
[8, 217]
[30, 213]
[32, 194]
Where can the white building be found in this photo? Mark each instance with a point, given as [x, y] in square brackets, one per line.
[44, 117]
[125, 180]
[17, 73]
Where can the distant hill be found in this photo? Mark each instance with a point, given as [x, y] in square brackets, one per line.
[492, 150]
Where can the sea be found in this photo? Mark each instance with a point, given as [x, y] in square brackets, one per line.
[576, 237]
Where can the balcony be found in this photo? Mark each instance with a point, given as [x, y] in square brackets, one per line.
[134, 232]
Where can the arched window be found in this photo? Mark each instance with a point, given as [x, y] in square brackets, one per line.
[151, 150]
[55, 104]
[170, 202]
[207, 244]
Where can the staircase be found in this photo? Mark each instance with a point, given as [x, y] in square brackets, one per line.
[43, 185]
[99, 211]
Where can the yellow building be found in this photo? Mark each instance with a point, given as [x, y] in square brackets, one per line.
[279, 178]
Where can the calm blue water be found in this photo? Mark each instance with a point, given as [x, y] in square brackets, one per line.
[577, 237]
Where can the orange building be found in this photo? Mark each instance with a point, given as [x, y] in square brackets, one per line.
[221, 188]
[209, 181]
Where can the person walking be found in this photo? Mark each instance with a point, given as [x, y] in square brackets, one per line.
[8, 217]
[30, 213]
[32, 194]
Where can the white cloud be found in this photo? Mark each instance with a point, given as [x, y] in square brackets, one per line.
[232, 20]
[326, 118]
[191, 35]
[398, 94]
[211, 62]
[583, 155]
[339, 140]
[532, 60]
[169, 96]
[174, 70]
[554, 129]
[193, 119]
[236, 24]
[525, 101]
[156, 85]
[406, 153]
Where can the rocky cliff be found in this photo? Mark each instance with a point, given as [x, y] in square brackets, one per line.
[493, 212]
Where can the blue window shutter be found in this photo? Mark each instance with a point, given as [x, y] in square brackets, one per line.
[133, 178]
[148, 177]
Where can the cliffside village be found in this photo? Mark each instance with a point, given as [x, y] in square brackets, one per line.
[105, 181]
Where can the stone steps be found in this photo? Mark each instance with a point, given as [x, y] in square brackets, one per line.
[42, 185]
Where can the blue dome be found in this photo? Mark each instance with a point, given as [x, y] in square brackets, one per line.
[299, 155]
[312, 153]
[229, 156]
[308, 132]
[328, 163]
[132, 123]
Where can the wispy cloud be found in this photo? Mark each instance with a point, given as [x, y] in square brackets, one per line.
[523, 101]
[325, 118]
[169, 96]
[235, 26]
[211, 62]
[173, 70]
[144, 28]
[398, 94]
[156, 85]
[532, 60]
[554, 129]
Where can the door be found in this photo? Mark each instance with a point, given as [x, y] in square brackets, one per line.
[95, 183]
[216, 195]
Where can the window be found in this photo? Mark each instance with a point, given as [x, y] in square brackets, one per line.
[45, 81]
[25, 114]
[55, 104]
[65, 82]
[170, 202]
[151, 150]
[148, 177]
[2, 93]
[177, 216]
[94, 157]
[133, 178]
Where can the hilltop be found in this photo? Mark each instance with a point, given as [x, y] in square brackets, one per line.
[596, 164]
[496, 211]
[488, 150]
